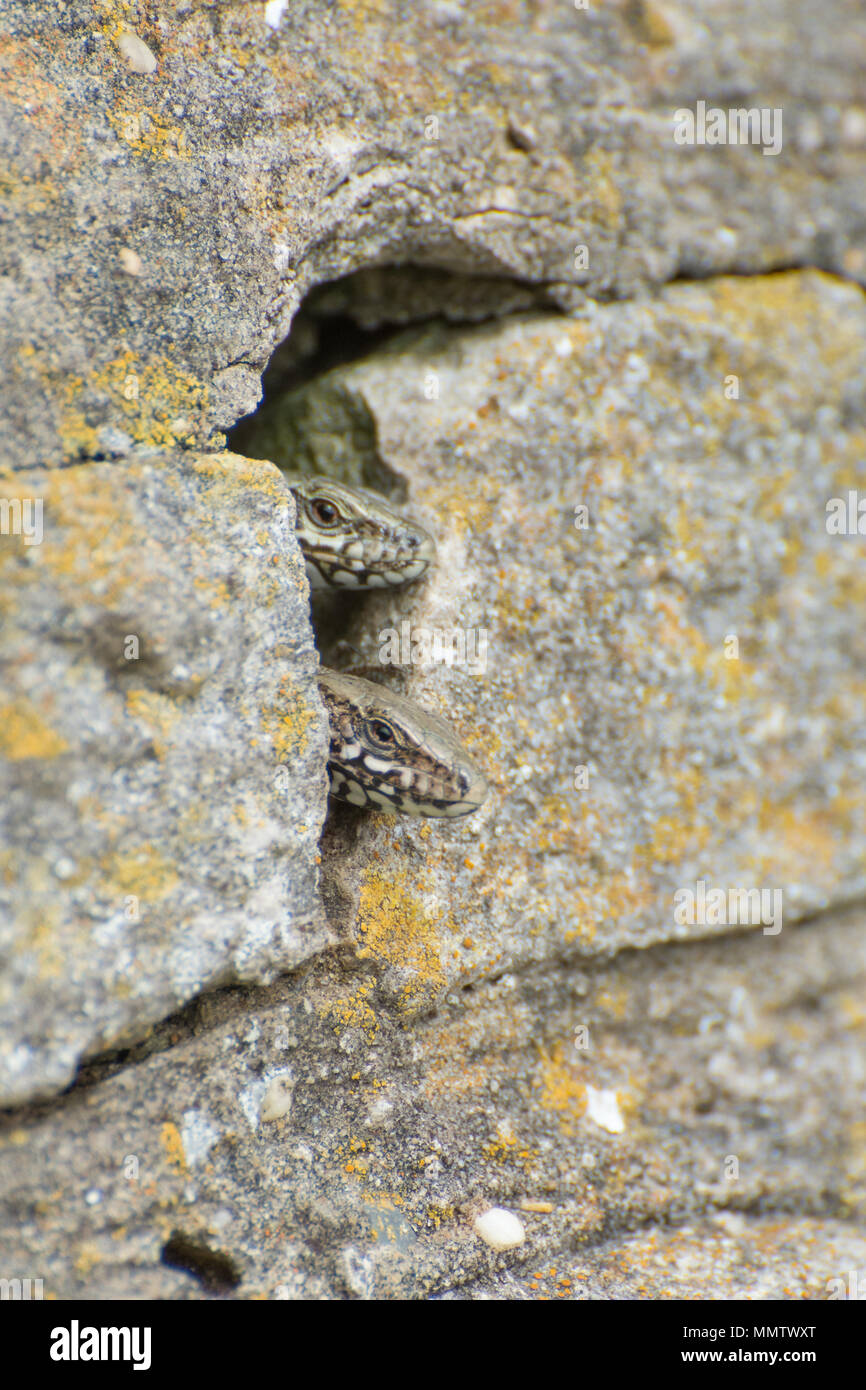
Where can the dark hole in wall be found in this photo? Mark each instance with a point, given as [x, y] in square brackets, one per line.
[347, 319]
[216, 1272]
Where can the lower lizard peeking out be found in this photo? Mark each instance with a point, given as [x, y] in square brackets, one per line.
[389, 753]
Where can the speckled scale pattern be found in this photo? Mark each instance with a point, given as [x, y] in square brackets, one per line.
[418, 768]
[352, 539]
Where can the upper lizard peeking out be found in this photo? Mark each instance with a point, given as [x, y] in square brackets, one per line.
[352, 539]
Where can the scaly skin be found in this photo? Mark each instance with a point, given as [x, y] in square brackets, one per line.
[389, 753]
[352, 539]
[386, 752]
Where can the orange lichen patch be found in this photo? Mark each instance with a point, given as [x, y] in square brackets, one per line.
[48, 107]
[117, 15]
[25, 734]
[389, 1202]
[628, 446]
[356, 1160]
[32, 195]
[76, 505]
[853, 1014]
[615, 899]
[141, 872]
[440, 1215]
[353, 1011]
[564, 823]
[288, 722]
[562, 1087]
[514, 619]
[173, 1144]
[797, 839]
[687, 829]
[294, 84]
[613, 1001]
[213, 591]
[772, 496]
[651, 27]
[625, 896]
[507, 1149]
[459, 1058]
[232, 474]
[394, 930]
[154, 398]
[466, 513]
[734, 675]
[455, 1077]
[672, 631]
[8, 866]
[605, 188]
[672, 837]
[366, 46]
[88, 1257]
[45, 935]
[147, 131]
[780, 309]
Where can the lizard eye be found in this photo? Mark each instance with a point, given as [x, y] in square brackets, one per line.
[381, 733]
[324, 512]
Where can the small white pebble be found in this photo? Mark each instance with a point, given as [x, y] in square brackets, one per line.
[277, 1100]
[274, 11]
[603, 1107]
[499, 1229]
[130, 260]
[854, 126]
[136, 52]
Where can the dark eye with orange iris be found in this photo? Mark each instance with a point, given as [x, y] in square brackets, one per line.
[380, 731]
[324, 512]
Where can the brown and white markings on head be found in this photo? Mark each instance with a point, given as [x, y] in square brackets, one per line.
[352, 539]
[390, 754]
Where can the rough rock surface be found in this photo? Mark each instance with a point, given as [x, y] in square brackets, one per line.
[672, 685]
[161, 744]
[297, 1091]
[161, 227]
[303, 1141]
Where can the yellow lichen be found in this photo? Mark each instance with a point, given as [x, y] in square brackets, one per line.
[25, 734]
[562, 1087]
[142, 872]
[394, 929]
[353, 1011]
[147, 131]
[158, 712]
[173, 1144]
[288, 722]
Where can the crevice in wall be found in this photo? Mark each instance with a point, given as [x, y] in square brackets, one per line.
[345, 321]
